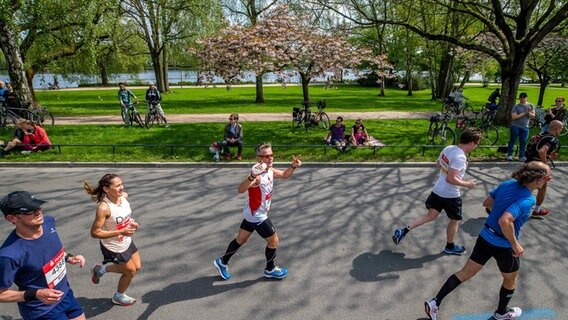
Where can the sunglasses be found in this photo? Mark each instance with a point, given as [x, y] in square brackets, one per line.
[29, 213]
[266, 156]
[233, 118]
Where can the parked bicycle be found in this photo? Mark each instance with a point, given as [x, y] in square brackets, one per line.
[305, 117]
[538, 120]
[133, 115]
[456, 109]
[439, 132]
[40, 115]
[490, 132]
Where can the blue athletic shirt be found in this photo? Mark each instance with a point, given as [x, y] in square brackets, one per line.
[514, 198]
[34, 264]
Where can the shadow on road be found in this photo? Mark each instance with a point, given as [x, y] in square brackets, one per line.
[369, 267]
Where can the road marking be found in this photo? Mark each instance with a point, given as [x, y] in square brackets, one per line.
[527, 314]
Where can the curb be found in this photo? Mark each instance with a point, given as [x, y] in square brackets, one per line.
[353, 165]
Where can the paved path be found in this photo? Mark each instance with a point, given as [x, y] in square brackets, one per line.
[244, 117]
[337, 245]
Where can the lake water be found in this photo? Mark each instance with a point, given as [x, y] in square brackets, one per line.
[44, 80]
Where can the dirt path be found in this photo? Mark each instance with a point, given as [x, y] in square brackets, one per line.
[244, 117]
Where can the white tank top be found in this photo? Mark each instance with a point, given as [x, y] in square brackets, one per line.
[120, 217]
[258, 204]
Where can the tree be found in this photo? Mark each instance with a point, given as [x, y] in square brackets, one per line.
[47, 31]
[162, 23]
[546, 60]
[250, 10]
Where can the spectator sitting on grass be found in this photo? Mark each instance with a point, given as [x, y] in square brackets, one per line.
[359, 134]
[233, 137]
[17, 139]
[336, 135]
[35, 138]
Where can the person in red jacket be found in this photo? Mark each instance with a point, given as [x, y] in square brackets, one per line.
[35, 138]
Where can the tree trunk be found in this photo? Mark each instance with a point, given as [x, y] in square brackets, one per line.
[511, 73]
[445, 80]
[305, 83]
[409, 83]
[164, 68]
[30, 74]
[464, 79]
[103, 74]
[544, 81]
[9, 46]
[259, 89]
[382, 87]
[156, 65]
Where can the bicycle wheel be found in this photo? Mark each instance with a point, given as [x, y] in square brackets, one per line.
[324, 120]
[149, 121]
[565, 128]
[431, 130]
[297, 120]
[42, 116]
[123, 115]
[444, 136]
[138, 119]
[490, 135]
[467, 111]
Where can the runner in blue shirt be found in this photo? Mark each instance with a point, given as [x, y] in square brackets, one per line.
[511, 206]
[33, 258]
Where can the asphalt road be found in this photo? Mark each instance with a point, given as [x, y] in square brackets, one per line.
[335, 226]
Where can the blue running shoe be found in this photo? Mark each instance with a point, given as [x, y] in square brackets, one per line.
[277, 272]
[457, 250]
[223, 269]
[398, 235]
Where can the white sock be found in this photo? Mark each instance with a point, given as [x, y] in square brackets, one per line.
[103, 270]
[537, 209]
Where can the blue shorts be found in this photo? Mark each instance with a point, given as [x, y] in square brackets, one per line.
[68, 308]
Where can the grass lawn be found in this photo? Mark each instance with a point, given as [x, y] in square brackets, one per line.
[278, 99]
[404, 140]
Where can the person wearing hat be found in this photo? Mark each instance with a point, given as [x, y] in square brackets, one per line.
[519, 127]
[33, 258]
[153, 98]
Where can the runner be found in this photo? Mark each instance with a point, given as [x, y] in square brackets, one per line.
[115, 227]
[446, 195]
[259, 184]
[542, 147]
[33, 258]
[511, 206]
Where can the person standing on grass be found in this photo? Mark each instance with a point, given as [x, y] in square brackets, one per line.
[542, 147]
[125, 97]
[511, 205]
[452, 163]
[519, 127]
[34, 259]
[259, 185]
[115, 227]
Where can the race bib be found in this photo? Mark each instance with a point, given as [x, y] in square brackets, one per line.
[122, 225]
[55, 270]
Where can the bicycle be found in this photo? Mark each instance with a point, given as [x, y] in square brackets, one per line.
[133, 115]
[39, 115]
[439, 132]
[152, 116]
[490, 132]
[538, 120]
[455, 108]
[309, 119]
